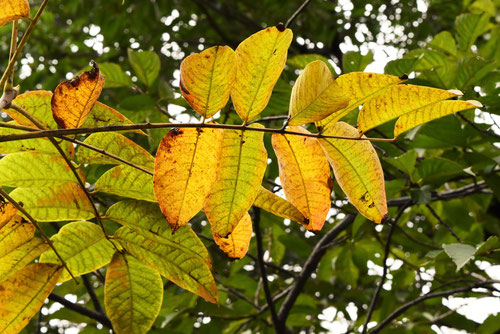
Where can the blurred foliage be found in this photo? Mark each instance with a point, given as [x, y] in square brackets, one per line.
[446, 44]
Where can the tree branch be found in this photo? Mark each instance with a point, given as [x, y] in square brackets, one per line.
[297, 12]
[420, 299]
[310, 265]
[434, 213]
[278, 326]
[100, 317]
[91, 292]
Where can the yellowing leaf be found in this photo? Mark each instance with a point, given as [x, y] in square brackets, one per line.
[207, 78]
[278, 206]
[7, 213]
[315, 95]
[181, 267]
[33, 169]
[242, 165]
[22, 295]
[19, 257]
[102, 115]
[185, 171]
[13, 9]
[56, 203]
[236, 244]
[37, 104]
[42, 145]
[133, 294]
[357, 169]
[83, 247]
[128, 182]
[261, 59]
[14, 233]
[118, 145]
[146, 218]
[397, 101]
[361, 87]
[305, 175]
[427, 114]
[73, 99]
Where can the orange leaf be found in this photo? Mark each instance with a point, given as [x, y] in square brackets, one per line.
[185, 171]
[11, 10]
[357, 169]
[7, 212]
[305, 175]
[207, 78]
[236, 244]
[73, 99]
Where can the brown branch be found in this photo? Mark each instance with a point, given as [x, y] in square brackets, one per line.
[297, 12]
[100, 317]
[143, 126]
[32, 220]
[278, 325]
[441, 221]
[423, 298]
[310, 265]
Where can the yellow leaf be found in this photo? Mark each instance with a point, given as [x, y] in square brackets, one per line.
[236, 244]
[261, 59]
[133, 294]
[207, 78]
[427, 114]
[170, 259]
[361, 87]
[305, 175]
[22, 295]
[278, 206]
[7, 212]
[11, 10]
[18, 258]
[14, 233]
[315, 95]
[87, 250]
[357, 169]
[242, 165]
[73, 99]
[185, 171]
[398, 101]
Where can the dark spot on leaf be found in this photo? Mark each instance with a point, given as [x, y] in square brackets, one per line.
[306, 221]
[94, 72]
[281, 27]
[363, 198]
[370, 75]
[330, 183]
[385, 219]
[404, 77]
[175, 132]
[372, 205]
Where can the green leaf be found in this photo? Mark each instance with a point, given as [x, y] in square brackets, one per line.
[133, 294]
[38, 104]
[55, 203]
[490, 325]
[471, 71]
[171, 260]
[146, 65]
[493, 242]
[41, 145]
[460, 253]
[128, 182]
[115, 77]
[354, 61]
[406, 162]
[301, 61]
[147, 217]
[469, 27]
[21, 256]
[33, 169]
[444, 41]
[438, 170]
[118, 145]
[401, 66]
[83, 247]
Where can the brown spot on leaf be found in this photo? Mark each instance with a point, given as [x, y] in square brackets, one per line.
[404, 77]
[281, 27]
[183, 88]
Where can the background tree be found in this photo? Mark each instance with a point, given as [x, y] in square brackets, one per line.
[442, 178]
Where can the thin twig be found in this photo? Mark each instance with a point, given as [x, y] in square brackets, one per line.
[420, 299]
[13, 46]
[100, 317]
[20, 47]
[477, 128]
[91, 292]
[32, 220]
[434, 213]
[297, 12]
[278, 326]
[385, 269]
[143, 126]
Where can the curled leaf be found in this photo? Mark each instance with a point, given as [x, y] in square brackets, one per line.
[73, 99]
[236, 244]
[207, 78]
[278, 206]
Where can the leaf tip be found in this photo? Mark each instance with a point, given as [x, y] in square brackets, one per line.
[456, 92]
[281, 27]
[475, 103]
